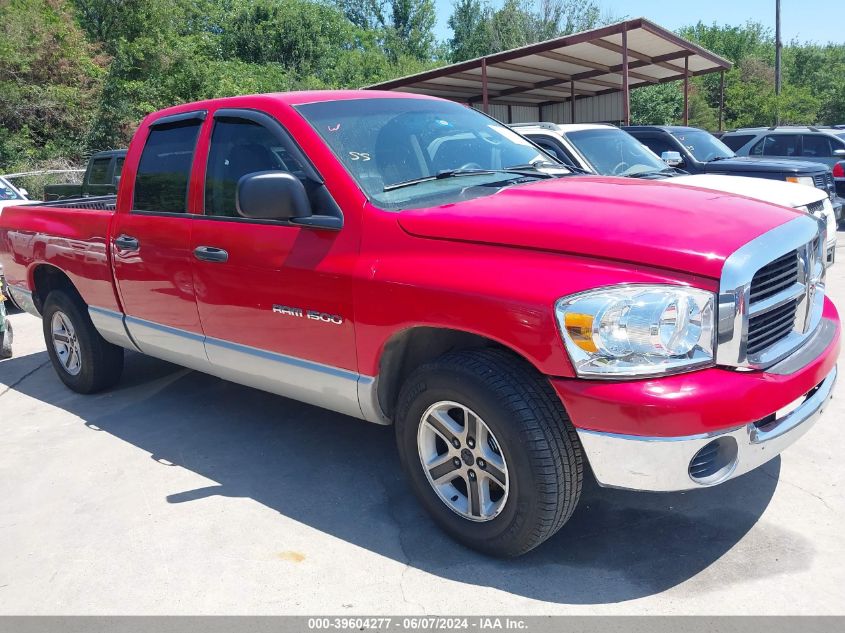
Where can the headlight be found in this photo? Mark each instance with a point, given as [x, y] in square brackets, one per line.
[637, 330]
[801, 180]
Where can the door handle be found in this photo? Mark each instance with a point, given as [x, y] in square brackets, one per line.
[127, 243]
[211, 254]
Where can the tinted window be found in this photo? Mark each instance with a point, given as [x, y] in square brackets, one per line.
[165, 168]
[553, 149]
[780, 145]
[118, 167]
[815, 146]
[240, 147]
[735, 142]
[703, 145]
[658, 145]
[99, 174]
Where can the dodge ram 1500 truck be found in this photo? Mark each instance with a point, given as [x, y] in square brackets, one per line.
[408, 260]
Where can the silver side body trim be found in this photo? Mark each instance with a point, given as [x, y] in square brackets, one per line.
[661, 464]
[23, 299]
[735, 309]
[322, 385]
[325, 386]
[168, 343]
[111, 326]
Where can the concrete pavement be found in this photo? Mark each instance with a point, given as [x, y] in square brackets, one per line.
[178, 493]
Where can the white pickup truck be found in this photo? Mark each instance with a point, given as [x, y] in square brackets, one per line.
[606, 150]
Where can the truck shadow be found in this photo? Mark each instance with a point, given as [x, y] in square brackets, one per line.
[342, 476]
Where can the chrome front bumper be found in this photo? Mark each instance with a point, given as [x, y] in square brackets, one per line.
[663, 464]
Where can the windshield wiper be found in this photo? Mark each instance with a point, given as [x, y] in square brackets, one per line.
[715, 158]
[520, 170]
[535, 168]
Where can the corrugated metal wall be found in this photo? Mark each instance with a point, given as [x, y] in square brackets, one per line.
[601, 109]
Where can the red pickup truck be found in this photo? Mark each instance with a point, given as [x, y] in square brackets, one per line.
[408, 260]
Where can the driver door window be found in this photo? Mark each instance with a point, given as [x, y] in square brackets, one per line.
[240, 147]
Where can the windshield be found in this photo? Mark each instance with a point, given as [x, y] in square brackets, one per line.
[385, 142]
[703, 145]
[7, 192]
[613, 152]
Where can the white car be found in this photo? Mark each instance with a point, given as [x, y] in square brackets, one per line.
[608, 151]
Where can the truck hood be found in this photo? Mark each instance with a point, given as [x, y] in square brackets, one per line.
[787, 194]
[650, 223]
[763, 165]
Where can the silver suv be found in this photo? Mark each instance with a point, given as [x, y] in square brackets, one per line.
[817, 144]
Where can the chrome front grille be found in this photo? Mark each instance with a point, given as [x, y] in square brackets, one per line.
[770, 327]
[771, 295]
[826, 183]
[816, 207]
[774, 277]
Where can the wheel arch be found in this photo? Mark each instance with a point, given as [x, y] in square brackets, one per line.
[412, 347]
[44, 279]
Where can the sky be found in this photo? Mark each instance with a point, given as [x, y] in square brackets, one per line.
[814, 20]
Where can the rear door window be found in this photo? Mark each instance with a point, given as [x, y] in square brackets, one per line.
[99, 174]
[165, 168]
[737, 141]
[815, 146]
[780, 145]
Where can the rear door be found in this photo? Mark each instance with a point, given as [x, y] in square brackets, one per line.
[818, 148]
[275, 299]
[151, 246]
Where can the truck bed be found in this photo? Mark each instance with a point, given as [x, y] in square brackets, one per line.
[45, 236]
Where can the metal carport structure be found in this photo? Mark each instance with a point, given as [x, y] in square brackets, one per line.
[576, 78]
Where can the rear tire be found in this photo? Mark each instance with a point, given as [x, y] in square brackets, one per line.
[498, 395]
[83, 359]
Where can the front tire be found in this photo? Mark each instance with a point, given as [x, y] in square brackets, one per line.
[489, 450]
[82, 359]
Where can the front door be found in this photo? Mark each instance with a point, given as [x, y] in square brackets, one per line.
[151, 247]
[275, 299]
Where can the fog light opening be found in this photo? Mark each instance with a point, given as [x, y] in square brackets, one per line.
[714, 462]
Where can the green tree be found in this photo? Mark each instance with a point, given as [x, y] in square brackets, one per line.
[478, 29]
[50, 80]
[658, 104]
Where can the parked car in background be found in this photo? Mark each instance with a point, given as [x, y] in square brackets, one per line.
[606, 150]
[839, 181]
[9, 195]
[818, 144]
[101, 177]
[702, 153]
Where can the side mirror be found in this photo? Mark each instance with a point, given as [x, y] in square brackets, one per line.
[673, 159]
[839, 152]
[272, 195]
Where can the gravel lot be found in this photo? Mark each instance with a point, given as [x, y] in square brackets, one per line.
[181, 493]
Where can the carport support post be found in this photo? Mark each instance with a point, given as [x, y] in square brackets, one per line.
[484, 101]
[572, 101]
[721, 100]
[686, 90]
[626, 93]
